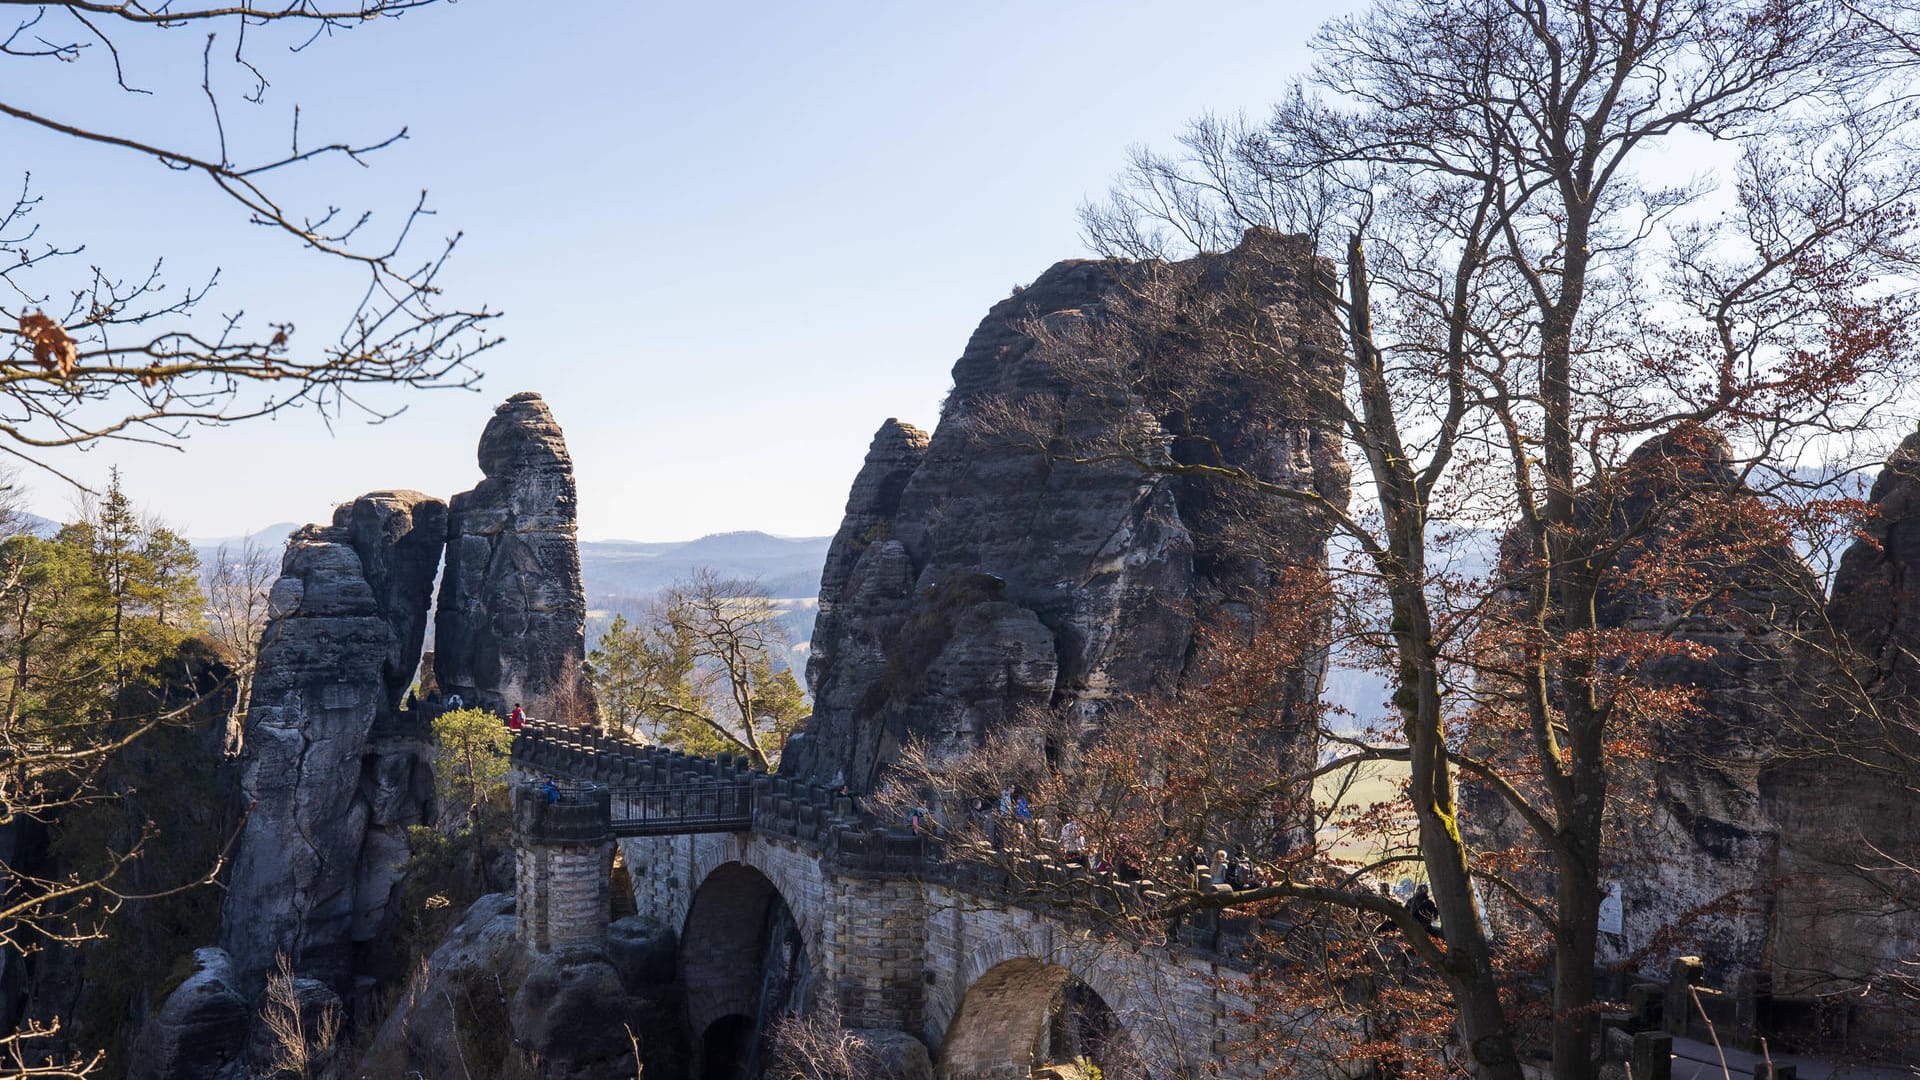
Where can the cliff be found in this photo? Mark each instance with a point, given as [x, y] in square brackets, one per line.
[332, 774]
[1843, 789]
[982, 571]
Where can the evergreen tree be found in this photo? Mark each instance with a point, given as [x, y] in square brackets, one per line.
[705, 673]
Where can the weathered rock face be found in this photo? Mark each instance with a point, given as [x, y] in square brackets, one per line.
[333, 774]
[511, 624]
[1692, 846]
[1876, 593]
[1761, 831]
[484, 997]
[1844, 790]
[200, 1033]
[1701, 863]
[897, 450]
[980, 574]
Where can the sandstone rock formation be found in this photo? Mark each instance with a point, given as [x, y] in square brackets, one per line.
[1843, 790]
[1764, 831]
[333, 775]
[1876, 593]
[1702, 857]
[976, 574]
[897, 450]
[201, 1031]
[484, 997]
[511, 623]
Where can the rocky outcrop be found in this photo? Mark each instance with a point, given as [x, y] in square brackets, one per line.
[987, 572]
[333, 773]
[1700, 864]
[1876, 592]
[511, 623]
[1748, 831]
[484, 997]
[1843, 790]
[896, 451]
[200, 1033]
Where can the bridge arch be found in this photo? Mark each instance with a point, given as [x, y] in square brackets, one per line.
[1025, 1013]
[746, 954]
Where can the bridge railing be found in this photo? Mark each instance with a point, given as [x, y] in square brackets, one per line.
[672, 809]
[661, 792]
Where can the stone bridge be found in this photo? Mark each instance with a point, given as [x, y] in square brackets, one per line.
[884, 932]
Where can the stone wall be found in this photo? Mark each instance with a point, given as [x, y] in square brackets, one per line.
[563, 868]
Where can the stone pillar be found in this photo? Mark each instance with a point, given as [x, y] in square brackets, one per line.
[1652, 1056]
[875, 951]
[1677, 1010]
[564, 851]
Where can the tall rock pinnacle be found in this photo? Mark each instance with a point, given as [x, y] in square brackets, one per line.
[333, 777]
[511, 624]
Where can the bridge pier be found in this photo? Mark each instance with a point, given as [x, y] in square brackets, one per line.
[893, 937]
[564, 853]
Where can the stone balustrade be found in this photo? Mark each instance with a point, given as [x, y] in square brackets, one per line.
[853, 844]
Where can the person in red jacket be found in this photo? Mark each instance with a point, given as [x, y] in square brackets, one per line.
[516, 718]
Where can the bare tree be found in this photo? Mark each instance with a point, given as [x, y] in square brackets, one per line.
[105, 354]
[818, 1046]
[706, 667]
[238, 584]
[1544, 350]
[301, 1044]
[97, 352]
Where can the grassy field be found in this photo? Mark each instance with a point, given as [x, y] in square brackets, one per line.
[1357, 789]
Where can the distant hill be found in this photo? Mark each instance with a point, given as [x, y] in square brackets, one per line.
[615, 570]
[35, 525]
[272, 540]
[785, 567]
[624, 575]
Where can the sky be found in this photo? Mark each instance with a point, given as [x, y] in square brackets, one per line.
[729, 240]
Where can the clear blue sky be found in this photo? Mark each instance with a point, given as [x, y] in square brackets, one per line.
[730, 239]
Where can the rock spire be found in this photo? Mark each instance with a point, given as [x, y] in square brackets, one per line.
[511, 623]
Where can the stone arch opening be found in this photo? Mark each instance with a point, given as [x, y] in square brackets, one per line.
[1025, 1017]
[724, 1048]
[744, 962]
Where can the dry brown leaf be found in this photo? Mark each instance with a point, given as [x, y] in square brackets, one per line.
[53, 348]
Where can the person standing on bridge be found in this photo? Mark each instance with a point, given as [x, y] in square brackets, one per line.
[516, 718]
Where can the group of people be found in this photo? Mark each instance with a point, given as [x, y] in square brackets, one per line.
[1237, 872]
[515, 719]
[1010, 820]
[434, 704]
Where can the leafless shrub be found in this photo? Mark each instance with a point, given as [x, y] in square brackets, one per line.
[297, 1052]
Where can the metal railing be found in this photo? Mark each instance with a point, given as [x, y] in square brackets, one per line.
[678, 809]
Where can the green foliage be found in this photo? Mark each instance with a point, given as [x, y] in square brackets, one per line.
[450, 863]
[705, 672]
[619, 668]
[89, 616]
[470, 767]
[781, 705]
[169, 798]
